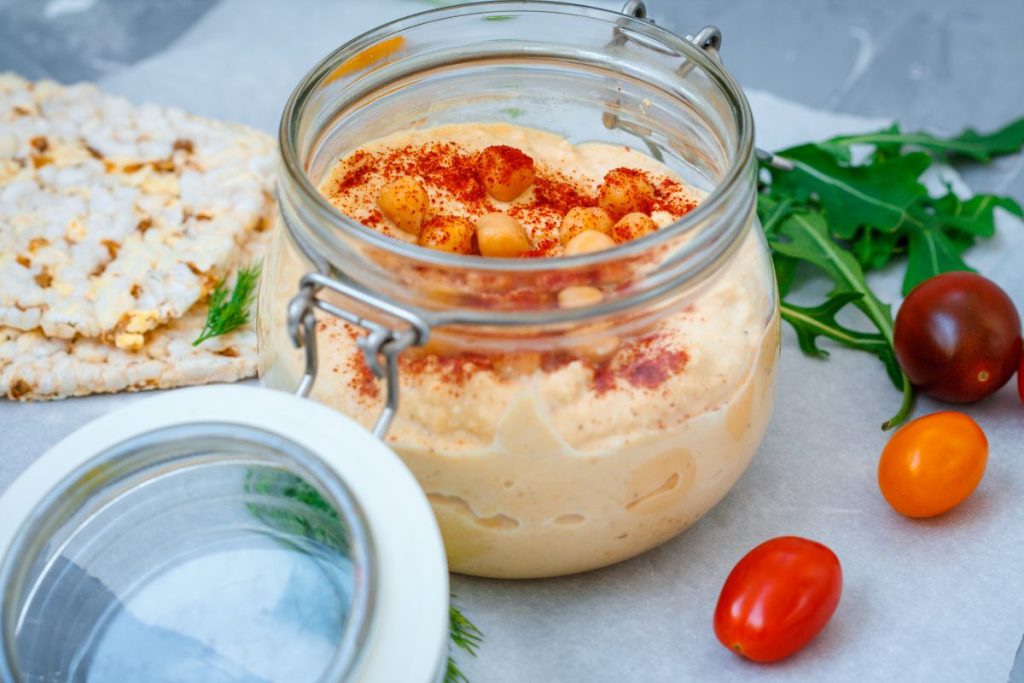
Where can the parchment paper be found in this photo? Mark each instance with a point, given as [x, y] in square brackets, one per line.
[936, 600]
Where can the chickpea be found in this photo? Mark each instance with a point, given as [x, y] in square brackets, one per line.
[581, 218]
[632, 226]
[506, 172]
[587, 241]
[498, 234]
[577, 296]
[448, 233]
[405, 203]
[625, 190]
[600, 349]
[515, 365]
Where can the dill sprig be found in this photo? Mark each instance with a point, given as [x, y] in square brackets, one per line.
[229, 312]
[465, 636]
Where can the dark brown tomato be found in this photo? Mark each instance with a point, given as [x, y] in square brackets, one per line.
[958, 337]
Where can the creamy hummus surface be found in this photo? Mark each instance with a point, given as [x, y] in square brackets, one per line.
[545, 464]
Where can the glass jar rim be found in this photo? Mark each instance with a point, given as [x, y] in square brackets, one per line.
[186, 445]
[743, 151]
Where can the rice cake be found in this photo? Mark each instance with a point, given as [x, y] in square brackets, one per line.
[36, 367]
[117, 218]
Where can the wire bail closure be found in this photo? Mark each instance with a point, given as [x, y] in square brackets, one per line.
[381, 345]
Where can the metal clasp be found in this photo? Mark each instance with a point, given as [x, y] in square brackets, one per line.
[381, 345]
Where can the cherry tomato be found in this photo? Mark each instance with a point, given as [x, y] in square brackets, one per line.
[1020, 379]
[957, 336]
[778, 598]
[932, 464]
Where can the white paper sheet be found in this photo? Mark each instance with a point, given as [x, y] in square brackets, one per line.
[934, 600]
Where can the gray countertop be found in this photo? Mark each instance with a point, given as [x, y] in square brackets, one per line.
[936, 601]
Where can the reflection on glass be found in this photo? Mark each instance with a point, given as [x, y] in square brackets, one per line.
[208, 573]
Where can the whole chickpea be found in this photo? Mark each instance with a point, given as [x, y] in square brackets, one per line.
[600, 349]
[577, 296]
[588, 241]
[405, 203]
[582, 218]
[633, 225]
[625, 190]
[506, 172]
[448, 233]
[512, 366]
[501, 235]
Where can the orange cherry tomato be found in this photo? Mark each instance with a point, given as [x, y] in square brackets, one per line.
[778, 598]
[932, 464]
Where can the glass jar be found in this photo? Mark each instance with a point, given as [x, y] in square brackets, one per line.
[215, 534]
[549, 440]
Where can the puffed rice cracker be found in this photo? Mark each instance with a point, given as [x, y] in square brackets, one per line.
[117, 218]
[35, 367]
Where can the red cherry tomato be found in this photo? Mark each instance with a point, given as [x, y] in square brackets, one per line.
[1020, 379]
[957, 336]
[778, 598]
[932, 464]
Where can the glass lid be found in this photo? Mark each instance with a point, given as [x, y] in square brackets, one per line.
[213, 535]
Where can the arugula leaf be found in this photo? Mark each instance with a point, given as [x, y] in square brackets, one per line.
[969, 144]
[883, 149]
[809, 323]
[849, 218]
[975, 216]
[771, 209]
[875, 248]
[948, 227]
[803, 234]
[931, 253]
[877, 194]
[785, 272]
[225, 313]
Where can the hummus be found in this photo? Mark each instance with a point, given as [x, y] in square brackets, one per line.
[547, 468]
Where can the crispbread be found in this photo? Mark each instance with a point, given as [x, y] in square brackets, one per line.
[41, 368]
[35, 367]
[116, 218]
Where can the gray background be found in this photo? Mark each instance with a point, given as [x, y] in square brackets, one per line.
[939, 600]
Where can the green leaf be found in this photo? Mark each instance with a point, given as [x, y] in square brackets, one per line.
[804, 235]
[847, 219]
[785, 272]
[771, 209]
[969, 144]
[949, 227]
[931, 253]
[874, 248]
[975, 216]
[878, 194]
[884, 150]
[809, 323]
